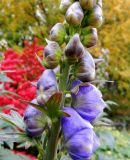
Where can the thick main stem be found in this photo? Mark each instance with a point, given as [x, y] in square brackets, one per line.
[51, 152]
[52, 142]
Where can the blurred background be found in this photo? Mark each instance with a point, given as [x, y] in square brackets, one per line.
[24, 25]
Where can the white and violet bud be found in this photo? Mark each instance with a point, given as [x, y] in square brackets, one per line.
[74, 14]
[52, 53]
[87, 4]
[64, 5]
[74, 49]
[90, 38]
[86, 70]
[58, 33]
[94, 18]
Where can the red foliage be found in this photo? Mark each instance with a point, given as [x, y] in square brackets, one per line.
[25, 69]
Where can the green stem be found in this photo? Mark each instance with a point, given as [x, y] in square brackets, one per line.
[51, 151]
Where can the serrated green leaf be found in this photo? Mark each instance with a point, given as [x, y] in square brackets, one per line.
[53, 105]
[6, 154]
[10, 144]
[4, 78]
[107, 140]
[17, 117]
[7, 107]
[14, 119]
[111, 103]
[14, 137]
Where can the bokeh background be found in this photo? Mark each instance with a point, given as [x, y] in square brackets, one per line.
[24, 25]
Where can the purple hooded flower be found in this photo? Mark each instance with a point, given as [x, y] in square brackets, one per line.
[88, 101]
[47, 80]
[79, 136]
[32, 118]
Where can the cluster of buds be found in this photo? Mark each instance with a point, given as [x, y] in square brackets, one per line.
[67, 44]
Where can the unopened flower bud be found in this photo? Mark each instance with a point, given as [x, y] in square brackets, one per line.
[47, 81]
[79, 135]
[86, 70]
[99, 3]
[98, 61]
[52, 53]
[91, 38]
[64, 5]
[58, 33]
[87, 4]
[74, 49]
[43, 98]
[74, 14]
[95, 17]
[88, 101]
[32, 119]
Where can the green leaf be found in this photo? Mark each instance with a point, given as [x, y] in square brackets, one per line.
[107, 140]
[10, 144]
[14, 119]
[6, 154]
[53, 105]
[4, 78]
[62, 113]
[7, 107]
[14, 137]
[111, 103]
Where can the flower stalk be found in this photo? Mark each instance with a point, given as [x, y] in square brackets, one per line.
[51, 152]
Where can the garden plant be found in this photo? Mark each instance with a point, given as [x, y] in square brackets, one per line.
[59, 120]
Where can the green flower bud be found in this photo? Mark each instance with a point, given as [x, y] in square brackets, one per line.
[91, 37]
[74, 14]
[86, 70]
[95, 17]
[74, 49]
[64, 5]
[52, 53]
[58, 33]
[87, 4]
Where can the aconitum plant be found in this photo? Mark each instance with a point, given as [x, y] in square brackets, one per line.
[67, 102]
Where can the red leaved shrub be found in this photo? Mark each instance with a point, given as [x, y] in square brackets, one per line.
[25, 69]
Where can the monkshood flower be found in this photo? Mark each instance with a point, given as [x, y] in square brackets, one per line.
[64, 5]
[87, 101]
[74, 49]
[52, 53]
[58, 33]
[74, 14]
[86, 70]
[79, 136]
[47, 80]
[46, 86]
[32, 117]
